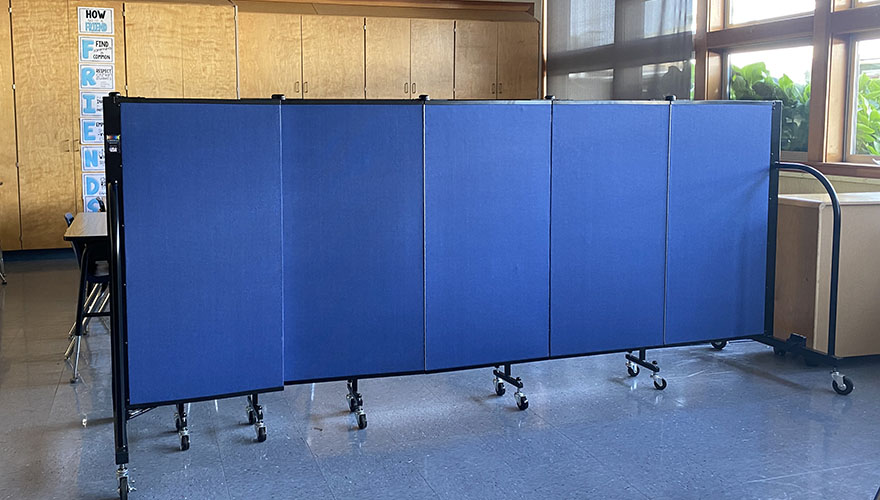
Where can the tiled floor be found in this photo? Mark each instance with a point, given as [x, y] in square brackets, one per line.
[740, 423]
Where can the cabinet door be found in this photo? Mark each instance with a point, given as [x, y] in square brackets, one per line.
[180, 50]
[155, 61]
[518, 45]
[333, 57]
[45, 81]
[269, 54]
[476, 59]
[387, 45]
[10, 224]
[432, 58]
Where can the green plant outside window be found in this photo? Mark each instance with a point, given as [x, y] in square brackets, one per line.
[868, 116]
[754, 83]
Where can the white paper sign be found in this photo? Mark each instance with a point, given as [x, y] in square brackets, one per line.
[91, 131]
[91, 104]
[97, 21]
[96, 49]
[92, 158]
[90, 204]
[96, 77]
[94, 184]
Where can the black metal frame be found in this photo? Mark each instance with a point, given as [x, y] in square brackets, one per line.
[123, 410]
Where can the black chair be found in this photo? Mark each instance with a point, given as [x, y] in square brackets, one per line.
[93, 294]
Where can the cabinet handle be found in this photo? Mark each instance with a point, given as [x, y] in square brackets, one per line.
[414, 88]
[305, 87]
[296, 88]
[499, 88]
[406, 88]
[493, 89]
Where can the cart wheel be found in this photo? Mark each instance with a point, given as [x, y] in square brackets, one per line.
[632, 370]
[719, 345]
[252, 419]
[846, 389]
[499, 388]
[522, 402]
[177, 423]
[659, 384]
[352, 404]
[123, 488]
[779, 352]
[184, 442]
[362, 420]
[260, 414]
[261, 433]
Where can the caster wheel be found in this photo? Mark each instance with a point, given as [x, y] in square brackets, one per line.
[632, 370]
[779, 352]
[500, 389]
[252, 418]
[261, 433]
[362, 420]
[355, 403]
[178, 425]
[719, 345]
[123, 488]
[522, 402]
[811, 363]
[659, 384]
[184, 442]
[846, 389]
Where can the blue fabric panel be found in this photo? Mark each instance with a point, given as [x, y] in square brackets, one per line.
[487, 209]
[718, 192]
[353, 240]
[608, 242]
[202, 208]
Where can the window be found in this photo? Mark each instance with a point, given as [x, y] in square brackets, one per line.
[749, 11]
[865, 112]
[587, 85]
[661, 80]
[778, 74]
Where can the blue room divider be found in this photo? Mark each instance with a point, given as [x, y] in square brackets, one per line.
[608, 226]
[487, 232]
[202, 262]
[353, 239]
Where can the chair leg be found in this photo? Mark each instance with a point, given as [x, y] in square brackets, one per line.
[75, 376]
[80, 309]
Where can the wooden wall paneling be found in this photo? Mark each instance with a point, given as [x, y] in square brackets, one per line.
[518, 61]
[387, 58]
[119, 72]
[45, 80]
[269, 54]
[333, 57]
[476, 59]
[10, 222]
[208, 44]
[432, 58]
[154, 56]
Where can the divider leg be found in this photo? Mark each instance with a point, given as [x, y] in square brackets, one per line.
[356, 403]
[181, 424]
[255, 416]
[522, 402]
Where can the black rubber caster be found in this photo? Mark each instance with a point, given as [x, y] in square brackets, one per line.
[779, 352]
[846, 389]
[632, 370]
[123, 488]
[499, 388]
[659, 384]
[719, 345]
[522, 402]
[252, 418]
[362, 420]
[178, 425]
[355, 403]
[261, 433]
[184, 442]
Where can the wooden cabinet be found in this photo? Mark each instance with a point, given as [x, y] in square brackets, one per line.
[518, 50]
[496, 60]
[803, 270]
[333, 57]
[10, 227]
[432, 58]
[476, 59]
[269, 51]
[45, 83]
[181, 50]
[387, 58]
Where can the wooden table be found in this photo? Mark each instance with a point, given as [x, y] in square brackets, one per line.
[87, 228]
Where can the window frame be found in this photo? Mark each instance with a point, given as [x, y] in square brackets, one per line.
[728, 9]
[852, 91]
